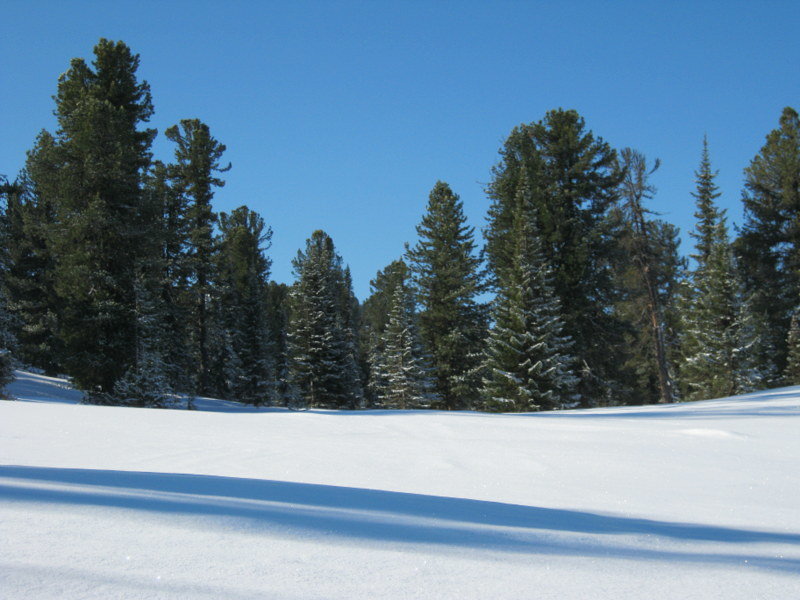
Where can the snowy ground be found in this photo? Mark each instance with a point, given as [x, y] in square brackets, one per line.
[683, 501]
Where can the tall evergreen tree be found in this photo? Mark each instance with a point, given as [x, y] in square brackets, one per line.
[447, 278]
[769, 242]
[401, 376]
[374, 318]
[29, 277]
[641, 243]
[99, 229]
[323, 369]
[242, 281]
[720, 335]
[529, 360]
[574, 182]
[197, 156]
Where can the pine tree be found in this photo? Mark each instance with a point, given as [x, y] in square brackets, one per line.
[99, 228]
[243, 269]
[447, 279]
[529, 361]
[641, 238]
[29, 277]
[769, 244]
[574, 183]
[401, 376]
[197, 156]
[322, 369]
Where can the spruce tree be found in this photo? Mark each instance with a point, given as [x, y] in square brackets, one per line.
[447, 279]
[276, 313]
[529, 360]
[401, 377]
[146, 383]
[769, 244]
[721, 337]
[99, 228]
[374, 318]
[323, 371]
[197, 156]
[574, 180]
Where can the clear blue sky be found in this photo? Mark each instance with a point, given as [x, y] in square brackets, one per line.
[342, 115]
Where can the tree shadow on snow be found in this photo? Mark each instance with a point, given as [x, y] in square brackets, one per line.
[382, 516]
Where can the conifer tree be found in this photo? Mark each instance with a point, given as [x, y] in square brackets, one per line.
[769, 244]
[721, 336]
[322, 369]
[574, 181]
[401, 377]
[447, 279]
[197, 156]
[146, 382]
[642, 251]
[7, 340]
[529, 361]
[374, 318]
[243, 269]
[99, 227]
[276, 311]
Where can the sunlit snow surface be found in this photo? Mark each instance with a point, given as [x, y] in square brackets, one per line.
[696, 500]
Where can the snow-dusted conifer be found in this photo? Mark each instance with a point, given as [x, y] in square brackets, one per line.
[400, 375]
[146, 382]
[529, 362]
[322, 369]
[724, 341]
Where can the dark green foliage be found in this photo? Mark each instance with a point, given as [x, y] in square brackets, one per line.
[574, 182]
[374, 318]
[529, 361]
[197, 156]
[643, 242]
[721, 338]
[400, 376]
[241, 295]
[8, 345]
[323, 369]
[769, 244]
[146, 382]
[100, 228]
[447, 279]
[276, 315]
[29, 277]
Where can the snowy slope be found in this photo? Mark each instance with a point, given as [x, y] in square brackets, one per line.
[682, 501]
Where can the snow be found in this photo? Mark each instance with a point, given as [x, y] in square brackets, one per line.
[695, 500]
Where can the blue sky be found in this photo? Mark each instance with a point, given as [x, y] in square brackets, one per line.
[342, 115]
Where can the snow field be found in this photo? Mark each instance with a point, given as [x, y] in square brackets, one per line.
[680, 501]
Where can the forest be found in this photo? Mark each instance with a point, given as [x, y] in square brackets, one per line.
[118, 272]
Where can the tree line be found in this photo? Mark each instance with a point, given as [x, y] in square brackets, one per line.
[117, 271]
